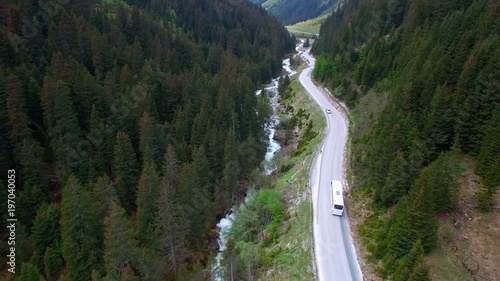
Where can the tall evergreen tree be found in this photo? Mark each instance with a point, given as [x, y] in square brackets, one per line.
[194, 199]
[151, 137]
[127, 170]
[82, 239]
[120, 248]
[102, 195]
[420, 273]
[33, 167]
[52, 263]
[413, 219]
[170, 171]
[488, 162]
[29, 272]
[397, 181]
[62, 126]
[101, 138]
[147, 199]
[46, 231]
[16, 107]
[171, 227]
[410, 263]
[28, 202]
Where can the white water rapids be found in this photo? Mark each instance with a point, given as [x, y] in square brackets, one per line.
[225, 223]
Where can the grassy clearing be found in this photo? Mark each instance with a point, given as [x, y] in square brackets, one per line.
[310, 26]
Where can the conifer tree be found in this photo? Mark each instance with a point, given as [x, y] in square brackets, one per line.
[147, 199]
[397, 181]
[215, 150]
[29, 272]
[409, 262]
[128, 274]
[200, 122]
[194, 199]
[101, 138]
[33, 167]
[120, 248]
[213, 63]
[489, 162]
[52, 263]
[202, 169]
[171, 227]
[67, 35]
[307, 44]
[28, 202]
[248, 154]
[182, 125]
[151, 137]
[440, 178]
[62, 126]
[46, 231]
[413, 219]
[170, 170]
[101, 55]
[16, 108]
[82, 239]
[152, 264]
[126, 166]
[35, 185]
[420, 272]
[24, 246]
[102, 195]
[231, 172]
[248, 116]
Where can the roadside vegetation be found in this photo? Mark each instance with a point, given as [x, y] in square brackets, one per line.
[271, 237]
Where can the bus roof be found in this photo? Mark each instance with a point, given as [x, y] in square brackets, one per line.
[337, 192]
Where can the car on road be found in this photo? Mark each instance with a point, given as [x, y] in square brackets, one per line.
[328, 110]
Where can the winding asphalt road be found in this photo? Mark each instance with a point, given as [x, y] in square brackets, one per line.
[335, 255]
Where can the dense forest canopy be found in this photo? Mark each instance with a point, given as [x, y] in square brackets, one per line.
[432, 69]
[130, 125]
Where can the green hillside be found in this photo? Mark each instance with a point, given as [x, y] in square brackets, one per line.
[310, 26]
[292, 11]
[425, 75]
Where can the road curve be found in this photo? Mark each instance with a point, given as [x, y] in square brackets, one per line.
[334, 251]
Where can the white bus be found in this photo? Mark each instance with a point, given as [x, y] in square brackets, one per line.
[337, 204]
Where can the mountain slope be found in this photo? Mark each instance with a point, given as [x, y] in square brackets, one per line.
[293, 11]
[426, 75]
[129, 125]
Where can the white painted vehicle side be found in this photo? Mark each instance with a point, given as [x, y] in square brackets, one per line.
[337, 198]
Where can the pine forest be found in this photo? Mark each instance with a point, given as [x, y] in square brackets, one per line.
[131, 125]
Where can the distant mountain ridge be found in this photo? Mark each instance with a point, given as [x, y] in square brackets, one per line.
[292, 11]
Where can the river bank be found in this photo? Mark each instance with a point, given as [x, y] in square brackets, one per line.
[281, 247]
